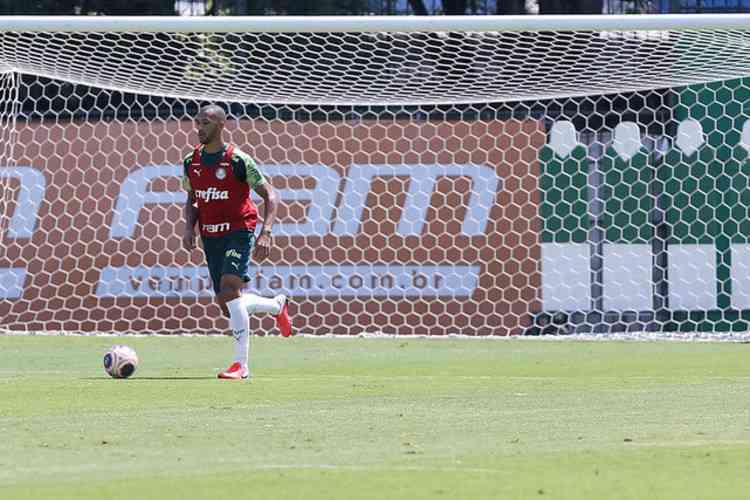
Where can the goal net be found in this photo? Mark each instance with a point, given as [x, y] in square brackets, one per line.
[480, 176]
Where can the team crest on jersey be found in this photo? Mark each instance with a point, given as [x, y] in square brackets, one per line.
[221, 173]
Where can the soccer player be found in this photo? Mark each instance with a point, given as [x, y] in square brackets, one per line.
[218, 178]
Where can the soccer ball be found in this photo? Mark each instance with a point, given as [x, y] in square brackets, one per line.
[120, 361]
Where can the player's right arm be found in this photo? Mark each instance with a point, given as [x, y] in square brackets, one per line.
[191, 217]
[190, 211]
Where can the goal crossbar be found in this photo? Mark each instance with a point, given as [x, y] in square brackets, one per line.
[361, 24]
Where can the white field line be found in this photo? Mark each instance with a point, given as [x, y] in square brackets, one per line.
[243, 465]
[580, 337]
[10, 476]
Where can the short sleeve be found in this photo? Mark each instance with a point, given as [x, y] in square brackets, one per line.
[247, 170]
[185, 179]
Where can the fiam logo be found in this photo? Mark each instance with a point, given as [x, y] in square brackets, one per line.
[211, 194]
[335, 204]
[233, 254]
[216, 228]
[23, 222]
[323, 215]
[31, 193]
[135, 194]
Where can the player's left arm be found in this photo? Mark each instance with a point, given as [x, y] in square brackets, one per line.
[270, 206]
[257, 182]
[190, 210]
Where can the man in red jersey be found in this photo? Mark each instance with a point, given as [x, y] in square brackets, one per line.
[218, 178]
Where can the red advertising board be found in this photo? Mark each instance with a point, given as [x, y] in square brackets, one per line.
[386, 226]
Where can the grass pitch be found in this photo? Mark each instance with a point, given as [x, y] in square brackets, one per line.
[375, 418]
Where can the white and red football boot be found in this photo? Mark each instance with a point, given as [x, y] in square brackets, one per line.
[283, 322]
[235, 372]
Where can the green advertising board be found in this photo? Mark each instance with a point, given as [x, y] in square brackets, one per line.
[666, 232]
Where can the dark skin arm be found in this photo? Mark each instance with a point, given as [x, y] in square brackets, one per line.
[191, 218]
[270, 206]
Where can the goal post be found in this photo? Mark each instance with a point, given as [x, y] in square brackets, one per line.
[470, 175]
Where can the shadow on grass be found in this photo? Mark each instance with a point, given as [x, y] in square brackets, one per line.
[153, 378]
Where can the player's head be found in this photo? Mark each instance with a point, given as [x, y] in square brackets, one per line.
[210, 122]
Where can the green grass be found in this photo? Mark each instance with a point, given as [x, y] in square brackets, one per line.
[375, 418]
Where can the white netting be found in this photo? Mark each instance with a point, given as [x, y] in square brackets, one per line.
[624, 211]
[381, 68]
[9, 190]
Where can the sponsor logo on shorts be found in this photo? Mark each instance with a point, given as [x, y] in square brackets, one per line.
[216, 228]
[233, 254]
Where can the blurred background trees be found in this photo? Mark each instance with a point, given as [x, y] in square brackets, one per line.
[361, 7]
[87, 7]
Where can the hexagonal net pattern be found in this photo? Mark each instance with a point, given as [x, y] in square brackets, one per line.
[581, 207]
[380, 68]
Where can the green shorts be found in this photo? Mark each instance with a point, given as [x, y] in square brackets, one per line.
[228, 254]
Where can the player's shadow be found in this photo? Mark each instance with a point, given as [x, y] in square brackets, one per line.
[152, 378]
[174, 378]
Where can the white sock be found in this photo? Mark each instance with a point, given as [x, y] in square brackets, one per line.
[257, 304]
[239, 321]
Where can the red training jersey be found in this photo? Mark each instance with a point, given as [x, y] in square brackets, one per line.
[224, 202]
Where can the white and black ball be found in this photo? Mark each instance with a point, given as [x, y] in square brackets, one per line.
[120, 361]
